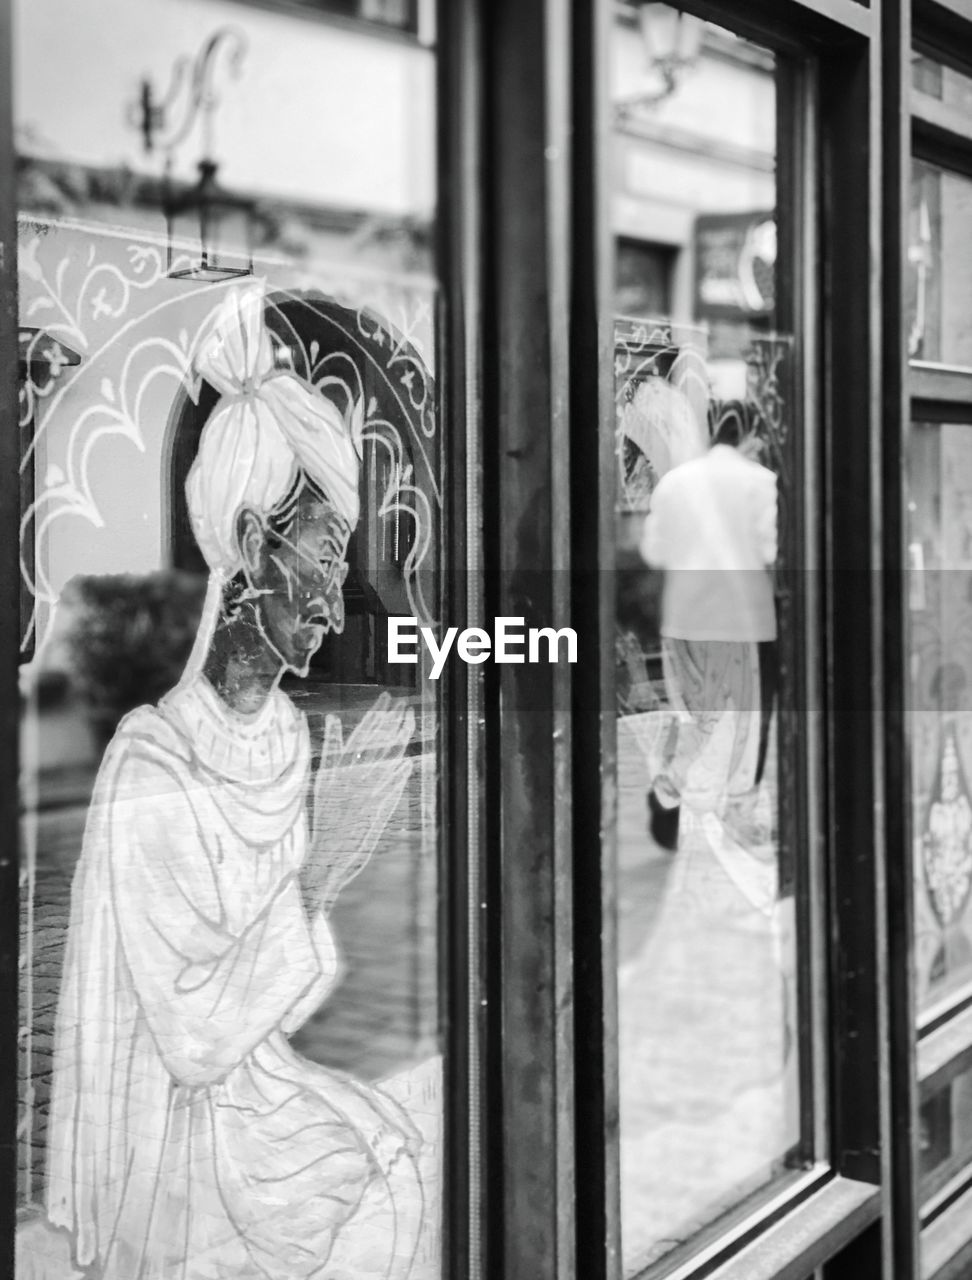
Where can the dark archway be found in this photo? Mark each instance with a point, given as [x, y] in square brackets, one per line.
[319, 338]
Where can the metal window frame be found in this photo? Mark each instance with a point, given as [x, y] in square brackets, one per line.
[845, 37]
[926, 1050]
[533, 1161]
[525, 447]
[461, 864]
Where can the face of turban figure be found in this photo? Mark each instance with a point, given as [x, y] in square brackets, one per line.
[294, 562]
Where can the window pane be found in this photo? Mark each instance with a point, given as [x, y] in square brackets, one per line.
[940, 714]
[945, 1134]
[230, 1052]
[943, 83]
[939, 282]
[707, 437]
[643, 279]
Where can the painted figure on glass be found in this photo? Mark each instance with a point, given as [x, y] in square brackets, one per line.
[187, 1138]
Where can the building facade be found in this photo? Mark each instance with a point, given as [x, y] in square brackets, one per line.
[648, 322]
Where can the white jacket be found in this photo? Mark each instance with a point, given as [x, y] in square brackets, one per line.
[712, 528]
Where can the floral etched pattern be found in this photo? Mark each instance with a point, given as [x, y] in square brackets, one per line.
[947, 842]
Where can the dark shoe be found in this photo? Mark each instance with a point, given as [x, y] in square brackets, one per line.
[663, 823]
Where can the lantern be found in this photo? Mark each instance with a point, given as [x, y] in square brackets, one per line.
[209, 230]
[671, 39]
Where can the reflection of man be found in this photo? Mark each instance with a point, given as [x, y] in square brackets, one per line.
[712, 528]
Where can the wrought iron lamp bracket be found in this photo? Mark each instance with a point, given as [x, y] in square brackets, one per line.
[191, 94]
[669, 71]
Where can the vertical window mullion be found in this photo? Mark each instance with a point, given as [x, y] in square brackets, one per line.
[901, 1225]
[9, 644]
[526, 566]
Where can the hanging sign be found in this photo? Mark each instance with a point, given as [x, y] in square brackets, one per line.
[735, 260]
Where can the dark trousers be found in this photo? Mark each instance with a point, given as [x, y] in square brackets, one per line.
[769, 679]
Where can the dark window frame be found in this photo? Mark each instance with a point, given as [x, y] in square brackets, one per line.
[931, 1220]
[420, 28]
[839, 33]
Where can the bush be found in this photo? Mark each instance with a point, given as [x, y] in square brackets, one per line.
[129, 639]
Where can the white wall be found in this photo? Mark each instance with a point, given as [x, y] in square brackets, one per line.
[320, 113]
[708, 148]
[718, 100]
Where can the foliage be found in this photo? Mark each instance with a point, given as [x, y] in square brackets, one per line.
[129, 638]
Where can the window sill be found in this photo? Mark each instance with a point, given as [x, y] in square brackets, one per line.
[945, 1052]
[946, 1243]
[807, 1237]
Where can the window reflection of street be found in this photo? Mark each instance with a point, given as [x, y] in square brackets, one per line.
[708, 1055]
[707, 1032]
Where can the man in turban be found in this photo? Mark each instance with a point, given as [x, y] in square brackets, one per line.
[187, 1140]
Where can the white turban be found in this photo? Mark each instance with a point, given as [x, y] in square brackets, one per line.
[267, 425]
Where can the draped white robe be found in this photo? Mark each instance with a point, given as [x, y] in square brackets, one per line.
[187, 1140]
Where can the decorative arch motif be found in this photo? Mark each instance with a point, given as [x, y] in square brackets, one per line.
[137, 331]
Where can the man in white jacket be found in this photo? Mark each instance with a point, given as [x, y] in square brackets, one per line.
[712, 528]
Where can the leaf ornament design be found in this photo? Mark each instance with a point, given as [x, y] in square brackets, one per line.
[946, 845]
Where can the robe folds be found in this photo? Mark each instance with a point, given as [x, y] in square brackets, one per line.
[187, 1140]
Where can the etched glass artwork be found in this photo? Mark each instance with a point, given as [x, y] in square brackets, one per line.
[230, 1059]
[706, 438]
[940, 707]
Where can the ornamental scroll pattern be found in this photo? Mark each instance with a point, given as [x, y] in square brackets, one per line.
[136, 332]
[661, 394]
[399, 409]
[663, 389]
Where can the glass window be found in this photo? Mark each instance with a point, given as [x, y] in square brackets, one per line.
[940, 712]
[947, 85]
[939, 282]
[643, 278]
[399, 15]
[230, 1047]
[708, 436]
[945, 1133]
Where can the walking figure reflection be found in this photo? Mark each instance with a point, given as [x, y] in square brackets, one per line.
[187, 1138]
[712, 528]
